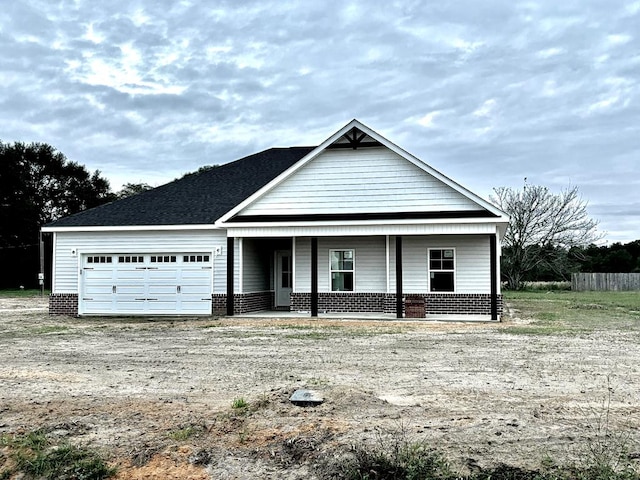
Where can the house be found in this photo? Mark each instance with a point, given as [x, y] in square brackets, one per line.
[355, 224]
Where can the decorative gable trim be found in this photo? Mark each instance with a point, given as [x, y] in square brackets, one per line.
[356, 135]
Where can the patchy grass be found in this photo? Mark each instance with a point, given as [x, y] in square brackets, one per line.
[395, 457]
[184, 433]
[546, 286]
[49, 329]
[572, 313]
[22, 293]
[33, 456]
[310, 335]
[347, 330]
[210, 325]
[239, 404]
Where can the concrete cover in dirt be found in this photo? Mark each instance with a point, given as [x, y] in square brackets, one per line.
[155, 396]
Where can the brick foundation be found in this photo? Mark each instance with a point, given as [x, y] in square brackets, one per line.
[331, 302]
[435, 303]
[243, 302]
[218, 304]
[253, 302]
[63, 304]
[460, 304]
[67, 303]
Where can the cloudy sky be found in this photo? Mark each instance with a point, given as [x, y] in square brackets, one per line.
[486, 92]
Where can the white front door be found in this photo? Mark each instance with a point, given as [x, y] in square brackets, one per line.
[284, 278]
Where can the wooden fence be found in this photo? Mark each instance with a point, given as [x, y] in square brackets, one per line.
[605, 282]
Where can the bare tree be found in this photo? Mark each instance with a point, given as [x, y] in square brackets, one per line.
[542, 225]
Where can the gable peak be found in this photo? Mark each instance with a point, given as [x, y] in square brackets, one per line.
[354, 135]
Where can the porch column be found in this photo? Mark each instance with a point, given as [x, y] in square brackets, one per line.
[230, 279]
[493, 261]
[398, 276]
[314, 276]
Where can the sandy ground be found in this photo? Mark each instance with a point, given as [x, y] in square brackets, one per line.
[155, 396]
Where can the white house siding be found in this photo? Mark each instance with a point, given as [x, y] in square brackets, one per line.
[371, 180]
[472, 262]
[370, 258]
[70, 245]
[302, 267]
[255, 267]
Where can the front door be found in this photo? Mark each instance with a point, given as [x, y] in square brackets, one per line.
[284, 278]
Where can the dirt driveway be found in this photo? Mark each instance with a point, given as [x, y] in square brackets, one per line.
[156, 396]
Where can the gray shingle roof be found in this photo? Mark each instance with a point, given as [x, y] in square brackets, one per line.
[199, 198]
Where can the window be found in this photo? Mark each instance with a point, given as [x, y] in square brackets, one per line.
[442, 270]
[286, 271]
[99, 259]
[342, 270]
[131, 259]
[163, 259]
[195, 258]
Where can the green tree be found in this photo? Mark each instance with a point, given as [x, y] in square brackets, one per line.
[543, 226]
[129, 189]
[614, 258]
[38, 185]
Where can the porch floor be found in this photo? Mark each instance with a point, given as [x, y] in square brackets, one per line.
[364, 316]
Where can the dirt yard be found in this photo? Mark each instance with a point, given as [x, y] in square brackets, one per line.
[155, 397]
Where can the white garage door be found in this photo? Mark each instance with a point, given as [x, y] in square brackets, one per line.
[146, 284]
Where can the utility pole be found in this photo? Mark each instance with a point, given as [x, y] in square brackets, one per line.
[41, 274]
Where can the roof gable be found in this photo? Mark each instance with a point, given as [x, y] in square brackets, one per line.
[358, 174]
[196, 199]
[369, 180]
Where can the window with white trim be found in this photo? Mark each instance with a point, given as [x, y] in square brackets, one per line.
[341, 270]
[442, 269]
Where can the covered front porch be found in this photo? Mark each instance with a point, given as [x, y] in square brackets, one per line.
[367, 276]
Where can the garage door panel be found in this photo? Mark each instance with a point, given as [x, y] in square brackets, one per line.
[196, 273]
[163, 274]
[98, 289]
[127, 306]
[146, 287]
[97, 275]
[170, 290]
[195, 306]
[130, 299]
[131, 276]
[138, 289]
[200, 290]
[93, 306]
[162, 306]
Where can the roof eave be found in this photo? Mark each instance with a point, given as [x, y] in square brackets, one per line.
[127, 228]
[498, 221]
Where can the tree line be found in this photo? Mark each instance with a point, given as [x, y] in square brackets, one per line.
[613, 258]
[550, 235]
[38, 185]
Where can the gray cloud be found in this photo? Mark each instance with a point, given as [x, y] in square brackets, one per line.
[488, 93]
